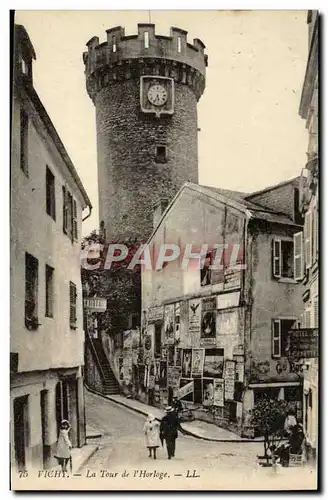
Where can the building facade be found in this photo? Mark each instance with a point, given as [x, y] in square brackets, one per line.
[46, 338]
[145, 89]
[219, 338]
[310, 237]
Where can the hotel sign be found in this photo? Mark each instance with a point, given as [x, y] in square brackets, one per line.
[95, 304]
[303, 343]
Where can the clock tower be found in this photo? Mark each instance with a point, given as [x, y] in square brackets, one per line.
[145, 89]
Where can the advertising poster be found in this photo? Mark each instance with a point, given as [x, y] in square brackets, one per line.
[157, 370]
[194, 313]
[229, 380]
[178, 356]
[177, 321]
[218, 392]
[173, 376]
[213, 363]
[208, 392]
[186, 391]
[169, 324]
[197, 362]
[208, 323]
[170, 355]
[163, 374]
[186, 363]
[239, 368]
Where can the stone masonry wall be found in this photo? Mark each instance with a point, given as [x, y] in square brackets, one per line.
[130, 180]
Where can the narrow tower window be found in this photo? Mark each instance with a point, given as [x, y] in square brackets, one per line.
[114, 43]
[146, 39]
[161, 154]
[179, 43]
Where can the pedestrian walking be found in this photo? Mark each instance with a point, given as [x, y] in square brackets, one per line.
[64, 445]
[169, 430]
[151, 430]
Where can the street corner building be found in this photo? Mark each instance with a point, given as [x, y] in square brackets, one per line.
[46, 338]
[220, 336]
[309, 109]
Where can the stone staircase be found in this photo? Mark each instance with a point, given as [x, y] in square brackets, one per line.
[109, 383]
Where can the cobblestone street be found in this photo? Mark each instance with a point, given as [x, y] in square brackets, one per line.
[215, 465]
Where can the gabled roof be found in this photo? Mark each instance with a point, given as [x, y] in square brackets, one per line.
[235, 199]
[271, 188]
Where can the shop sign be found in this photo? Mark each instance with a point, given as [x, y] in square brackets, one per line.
[155, 314]
[229, 380]
[95, 304]
[303, 343]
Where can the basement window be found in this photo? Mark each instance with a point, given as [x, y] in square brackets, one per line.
[146, 39]
[161, 154]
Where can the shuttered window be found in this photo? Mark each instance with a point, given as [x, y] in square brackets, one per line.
[315, 233]
[308, 239]
[31, 287]
[65, 220]
[74, 223]
[315, 312]
[307, 318]
[298, 256]
[72, 305]
[276, 261]
[276, 338]
[24, 141]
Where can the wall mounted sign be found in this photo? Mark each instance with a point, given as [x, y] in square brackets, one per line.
[208, 392]
[303, 343]
[169, 324]
[208, 323]
[95, 304]
[229, 379]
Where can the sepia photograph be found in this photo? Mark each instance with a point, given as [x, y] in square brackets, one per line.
[164, 250]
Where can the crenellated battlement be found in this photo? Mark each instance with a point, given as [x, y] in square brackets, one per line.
[123, 57]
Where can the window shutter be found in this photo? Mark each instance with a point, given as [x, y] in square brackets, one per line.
[276, 258]
[314, 234]
[307, 318]
[64, 209]
[298, 256]
[307, 239]
[74, 220]
[72, 302]
[276, 338]
[315, 312]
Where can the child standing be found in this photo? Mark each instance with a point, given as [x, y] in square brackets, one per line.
[151, 430]
[64, 446]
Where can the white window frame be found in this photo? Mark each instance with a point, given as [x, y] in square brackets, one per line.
[275, 338]
[298, 256]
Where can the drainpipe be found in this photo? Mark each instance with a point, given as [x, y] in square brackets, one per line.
[87, 216]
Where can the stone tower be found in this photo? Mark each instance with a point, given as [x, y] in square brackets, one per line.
[145, 89]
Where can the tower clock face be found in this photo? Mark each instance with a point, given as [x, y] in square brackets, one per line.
[157, 95]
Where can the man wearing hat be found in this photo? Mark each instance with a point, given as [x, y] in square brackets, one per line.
[169, 430]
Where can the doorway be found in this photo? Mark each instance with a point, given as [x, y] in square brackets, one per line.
[21, 437]
[44, 427]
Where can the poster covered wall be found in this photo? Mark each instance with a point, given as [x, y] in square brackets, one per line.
[173, 376]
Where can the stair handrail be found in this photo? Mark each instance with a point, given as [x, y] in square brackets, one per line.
[94, 352]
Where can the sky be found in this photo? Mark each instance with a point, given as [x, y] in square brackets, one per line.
[251, 135]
